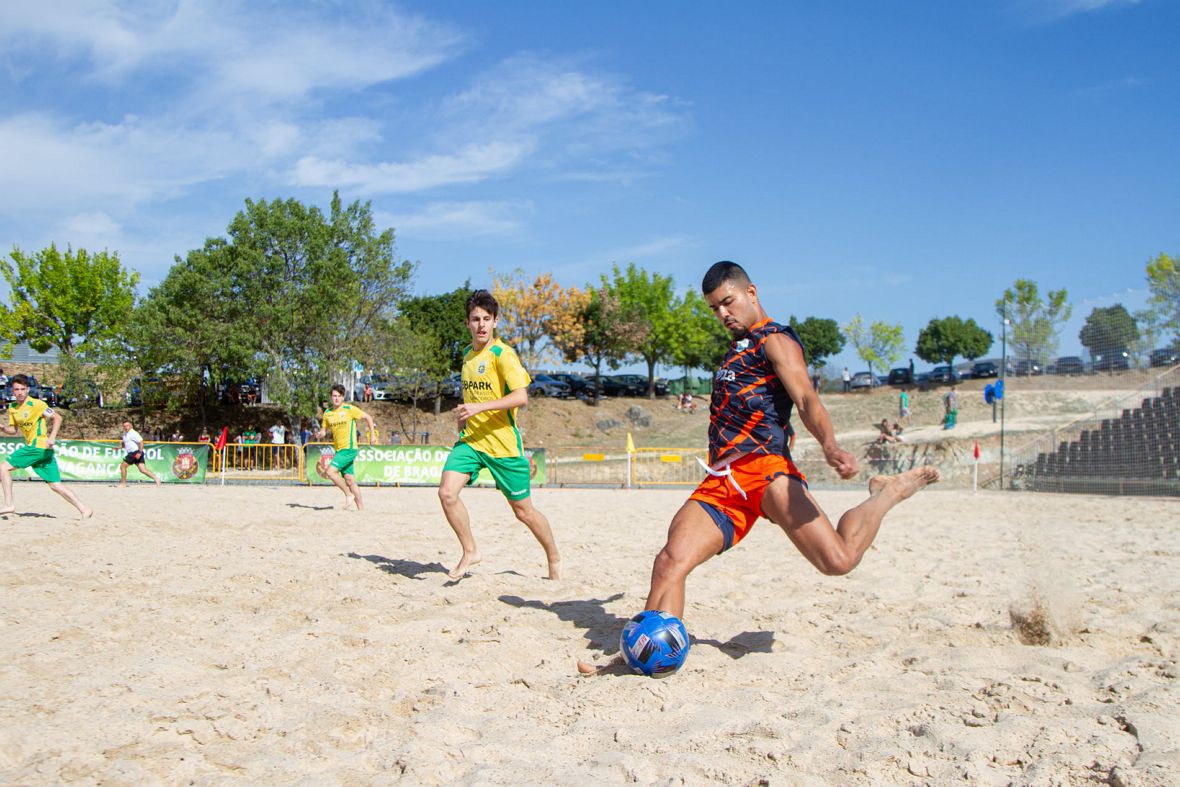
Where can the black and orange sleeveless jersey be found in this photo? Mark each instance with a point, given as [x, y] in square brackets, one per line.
[750, 407]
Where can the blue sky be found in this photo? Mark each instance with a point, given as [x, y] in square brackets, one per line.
[899, 160]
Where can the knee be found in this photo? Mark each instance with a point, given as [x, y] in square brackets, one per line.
[670, 566]
[448, 496]
[836, 564]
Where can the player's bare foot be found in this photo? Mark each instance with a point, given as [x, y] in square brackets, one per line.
[157, 482]
[467, 561]
[349, 503]
[87, 513]
[911, 481]
[555, 568]
[585, 668]
[878, 482]
[7, 510]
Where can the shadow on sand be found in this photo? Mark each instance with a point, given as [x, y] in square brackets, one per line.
[411, 569]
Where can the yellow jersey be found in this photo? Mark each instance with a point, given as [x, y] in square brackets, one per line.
[489, 374]
[341, 422]
[30, 419]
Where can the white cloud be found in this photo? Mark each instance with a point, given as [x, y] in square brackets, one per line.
[92, 230]
[450, 220]
[1046, 11]
[468, 165]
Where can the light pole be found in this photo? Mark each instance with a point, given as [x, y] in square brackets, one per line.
[1003, 374]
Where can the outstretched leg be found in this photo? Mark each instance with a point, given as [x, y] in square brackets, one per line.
[836, 551]
[449, 487]
[71, 499]
[536, 522]
[355, 490]
[122, 474]
[143, 468]
[693, 538]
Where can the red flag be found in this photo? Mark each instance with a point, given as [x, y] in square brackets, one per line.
[976, 450]
[223, 438]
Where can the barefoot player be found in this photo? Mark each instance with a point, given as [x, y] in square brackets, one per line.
[340, 419]
[39, 424]
[494, 386]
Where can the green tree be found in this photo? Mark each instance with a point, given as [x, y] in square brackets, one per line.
[612, 333]
[76, 301]
[699, 340]
[417, 353]
[1109, 331]
[878, 344]
[651, 298]
[821, 339]
[1035, 321]
[943, 339]
[1163, 280]
[293, 294]
[445, 317]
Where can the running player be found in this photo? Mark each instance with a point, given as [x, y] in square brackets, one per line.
[750, 473]
[30, 415]
[494, 386]
[133, 455]
[340, 419]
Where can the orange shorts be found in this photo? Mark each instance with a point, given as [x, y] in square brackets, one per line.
[734, 514]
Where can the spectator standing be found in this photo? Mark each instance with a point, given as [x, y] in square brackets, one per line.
[951, 401]
[903, 406]
[278, 437]
[176, 437]
[304, 434]
[847, 378]
[203, 437]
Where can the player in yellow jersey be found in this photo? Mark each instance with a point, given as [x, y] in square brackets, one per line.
[30, 416]
[494, 386]
[340, 420]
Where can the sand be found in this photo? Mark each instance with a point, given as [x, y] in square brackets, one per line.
[255, 635]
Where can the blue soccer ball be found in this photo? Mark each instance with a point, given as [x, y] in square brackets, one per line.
[654, 643]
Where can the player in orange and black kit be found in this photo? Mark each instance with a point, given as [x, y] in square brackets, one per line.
[750, 472]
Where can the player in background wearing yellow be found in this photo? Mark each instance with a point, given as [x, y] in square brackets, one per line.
[38, 422]
[494, 386]
[340, 420]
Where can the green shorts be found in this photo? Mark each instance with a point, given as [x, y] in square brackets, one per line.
[511, 473]
[41, 460]
[343, 460]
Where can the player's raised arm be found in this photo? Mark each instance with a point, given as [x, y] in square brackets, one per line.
[789, 365]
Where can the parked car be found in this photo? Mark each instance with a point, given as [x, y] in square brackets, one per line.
[623, 385]
[1165, 356]
[863, 380]
[453, 386]
[1027, 368]
[922, 378]
[579, 385]
[945, 374]
[79, 393]
[637, 384]
[544, 385]
[981, 369]
[1070, 364]
[900, 376]
[1116, 360]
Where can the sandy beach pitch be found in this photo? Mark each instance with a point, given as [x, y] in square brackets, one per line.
[255, 635]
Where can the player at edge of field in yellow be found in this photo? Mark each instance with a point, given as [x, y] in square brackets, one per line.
[495, 385]
[29, 416]
[340, 421]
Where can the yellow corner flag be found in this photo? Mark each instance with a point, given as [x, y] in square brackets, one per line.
[630, 444]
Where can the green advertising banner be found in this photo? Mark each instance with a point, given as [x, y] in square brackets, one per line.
[99, 460]
[407, 465]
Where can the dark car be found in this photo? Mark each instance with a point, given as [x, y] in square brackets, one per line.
[452, 386]
[900, 376]
[1116, 360]
[944, 374]
[624, 385]
[1027, 368]
[578, 384]
[1164, 356]
[544, 385]
[637, 384]
[1070, 364]
[981, 369]
[78, 394]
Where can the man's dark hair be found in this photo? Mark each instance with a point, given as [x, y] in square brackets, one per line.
[339, 388]
[19, 379]
[720, 273]
[484, 300]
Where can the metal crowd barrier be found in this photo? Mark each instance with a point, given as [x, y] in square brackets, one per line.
[647, 467]
[258, 462]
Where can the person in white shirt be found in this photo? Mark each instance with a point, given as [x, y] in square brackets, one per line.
[278, 436]
[133, 455]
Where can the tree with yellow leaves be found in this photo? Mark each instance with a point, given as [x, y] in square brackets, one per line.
[533, 313]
